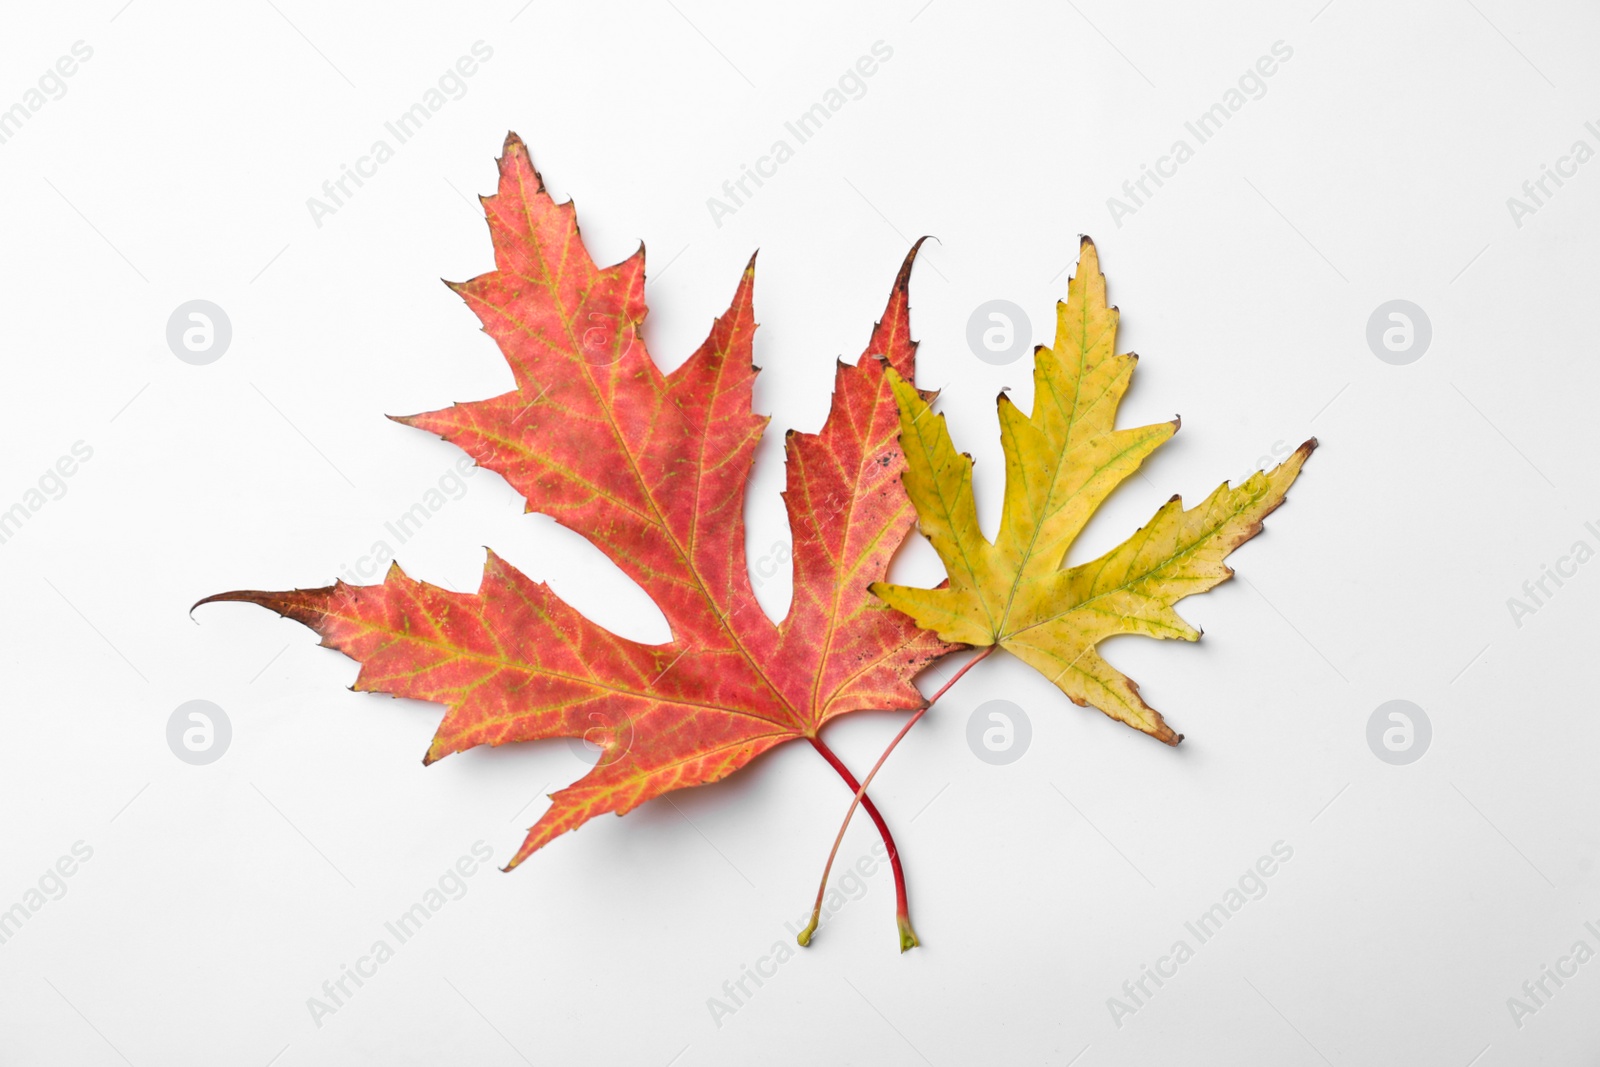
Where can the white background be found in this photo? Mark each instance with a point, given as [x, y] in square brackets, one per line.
[1376, 166]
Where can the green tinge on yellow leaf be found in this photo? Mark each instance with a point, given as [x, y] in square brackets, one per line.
[1132, 590]
[1062, 462]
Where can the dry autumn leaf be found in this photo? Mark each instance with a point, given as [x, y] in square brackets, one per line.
[1061, 464]
[652, 468]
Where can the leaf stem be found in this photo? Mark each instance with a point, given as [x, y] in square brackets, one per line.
[860, 790]
[908, 936]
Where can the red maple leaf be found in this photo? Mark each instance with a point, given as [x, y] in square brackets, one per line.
[651, 468]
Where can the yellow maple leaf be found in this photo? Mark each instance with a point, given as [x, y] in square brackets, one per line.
[1061, 464]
